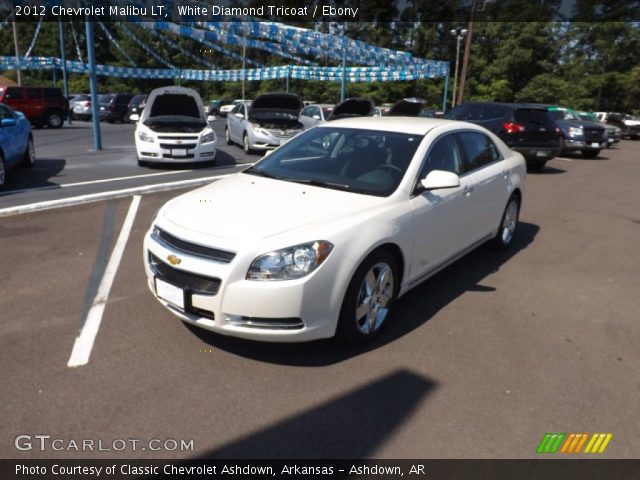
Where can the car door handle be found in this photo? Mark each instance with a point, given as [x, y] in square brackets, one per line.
[467, 190]
[505, 173]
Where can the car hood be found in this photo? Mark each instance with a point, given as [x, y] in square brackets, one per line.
[578, 124]
[407, 107]
[274, 103]
[352, 107]
[246, 207]
[158, 92]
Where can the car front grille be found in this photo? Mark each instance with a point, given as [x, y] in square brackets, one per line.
[190, 282]
[283, 133]
[178, 137]
[198, 250]
[593, 133]
[183, 146]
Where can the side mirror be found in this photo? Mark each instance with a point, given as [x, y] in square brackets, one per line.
[238, 115]
[317, 117]
[134, 117]
[437, 179]
[211, 118]
[8, 122]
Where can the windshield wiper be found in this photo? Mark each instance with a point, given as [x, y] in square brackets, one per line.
[318, 183]
[262, 173]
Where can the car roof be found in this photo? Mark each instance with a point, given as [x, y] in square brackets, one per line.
[410, 125]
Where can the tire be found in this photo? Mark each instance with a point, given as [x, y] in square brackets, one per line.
[3, 172]
[536, 165]
[245, 144]
[508, 224]
[29, 157]
[372, 290]
[53, 119]
[590, 153]
[227, 136]
[142, 163]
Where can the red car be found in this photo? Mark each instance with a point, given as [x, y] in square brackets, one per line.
[42, 106]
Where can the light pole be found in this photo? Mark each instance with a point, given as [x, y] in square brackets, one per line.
[459, 33]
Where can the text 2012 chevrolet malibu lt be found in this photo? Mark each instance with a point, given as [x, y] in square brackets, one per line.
[320, 237]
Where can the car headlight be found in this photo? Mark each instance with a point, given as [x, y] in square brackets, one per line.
[208, 137]
[575, 131]
[290, 263]
[145, 137]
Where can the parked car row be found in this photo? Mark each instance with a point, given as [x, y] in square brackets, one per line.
[112, 107]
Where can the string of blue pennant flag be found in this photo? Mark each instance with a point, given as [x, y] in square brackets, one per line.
[334, 74]
[34, 39]
[183, 51]
[145, 47]
[116, 44]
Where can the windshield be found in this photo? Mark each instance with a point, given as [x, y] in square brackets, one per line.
[361, 161]
[563, 115]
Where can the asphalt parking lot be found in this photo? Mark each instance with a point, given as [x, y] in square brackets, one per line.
[480, 361]
[67, 165]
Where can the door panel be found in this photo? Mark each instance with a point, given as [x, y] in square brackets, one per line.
[486, 180]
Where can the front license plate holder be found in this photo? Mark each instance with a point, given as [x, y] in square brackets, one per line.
[170, 293]
[595, 145]
[542, 153]
[179, 152]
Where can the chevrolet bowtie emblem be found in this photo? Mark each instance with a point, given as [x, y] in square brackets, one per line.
[173, 260]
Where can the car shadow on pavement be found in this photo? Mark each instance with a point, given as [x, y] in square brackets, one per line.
[547, 170]
[223, 159]
[411, 311]
[353, 425]
[35, 177]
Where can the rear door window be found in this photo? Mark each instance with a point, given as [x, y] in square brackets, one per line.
[33, 93]
[52, 93]
[479, 150]
[493, 112]
[530, 115]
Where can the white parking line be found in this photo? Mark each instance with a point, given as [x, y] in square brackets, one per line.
[96, 197]
[87, 335]
[92, 182]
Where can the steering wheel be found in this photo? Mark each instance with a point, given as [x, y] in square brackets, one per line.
[392, 167]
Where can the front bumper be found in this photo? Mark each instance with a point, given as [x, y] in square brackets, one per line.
[572, 144]
[267, 140]
[273, 311]
[168, 151]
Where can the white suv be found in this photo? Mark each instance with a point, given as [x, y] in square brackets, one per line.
[173, 128]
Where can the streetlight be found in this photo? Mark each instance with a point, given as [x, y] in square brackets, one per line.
[459, 33]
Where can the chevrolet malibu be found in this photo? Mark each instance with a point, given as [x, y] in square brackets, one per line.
[323, 235]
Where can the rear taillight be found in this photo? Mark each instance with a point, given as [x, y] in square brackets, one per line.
[112, 108]
[512, 127]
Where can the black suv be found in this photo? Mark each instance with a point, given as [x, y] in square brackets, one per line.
[527, 129]
[114, 106]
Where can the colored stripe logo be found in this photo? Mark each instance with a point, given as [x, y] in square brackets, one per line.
[573, 443]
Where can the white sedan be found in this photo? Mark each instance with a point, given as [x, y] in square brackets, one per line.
[320, 237]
